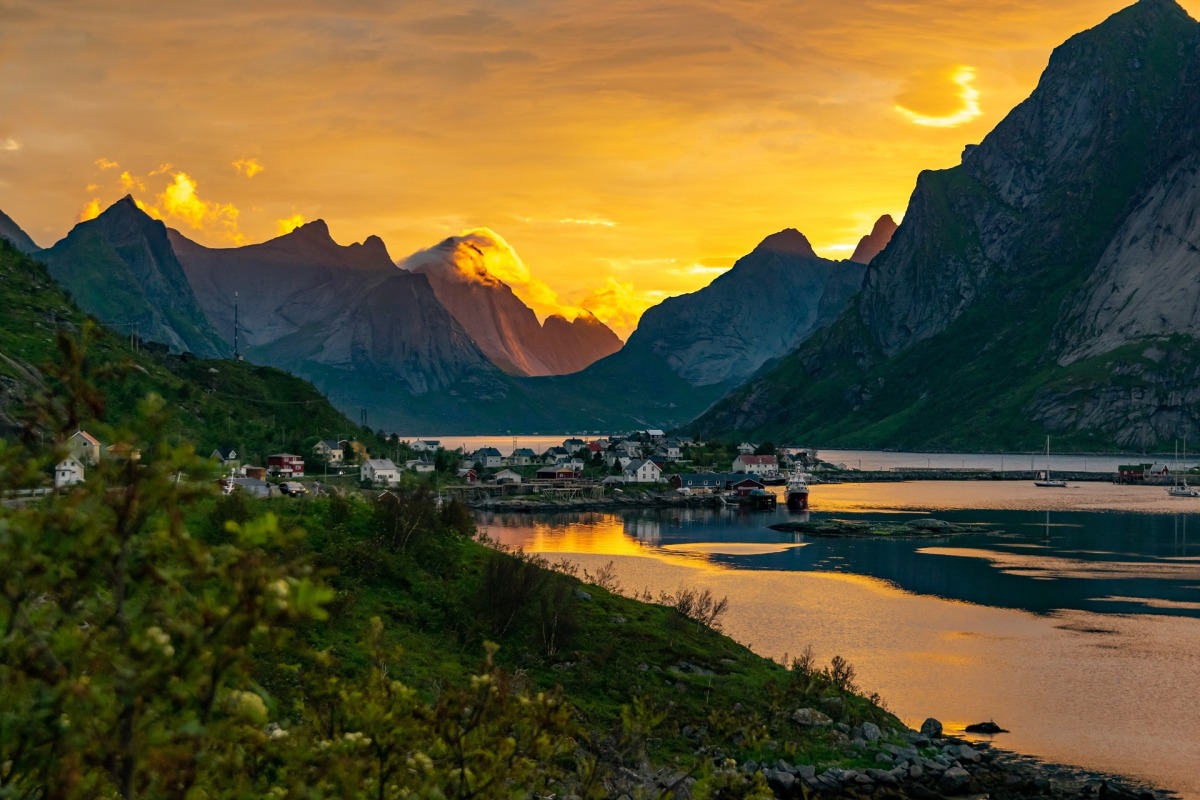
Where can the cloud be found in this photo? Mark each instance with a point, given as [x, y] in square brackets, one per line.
[90, 211]
[248, 167]
[618, 304]
[924, 100]
[180, 201]
[129, 183]
[288, 224]
[10, 144]
[106, 164]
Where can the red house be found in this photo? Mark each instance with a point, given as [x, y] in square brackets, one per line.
[286, 465]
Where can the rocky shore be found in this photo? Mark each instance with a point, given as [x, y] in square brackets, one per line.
[532, 503]
[923, 764]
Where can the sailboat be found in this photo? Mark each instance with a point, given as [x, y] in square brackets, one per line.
[1047, 482]
[1181, 488]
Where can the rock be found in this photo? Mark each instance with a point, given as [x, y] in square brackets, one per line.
[806, 771]
[931, 728]
[916, 771]
[985, 727]
[582, 595]
[871, 732]
[618, 620]
[780, 780]
[966, 753]
[884, 758]
[954, 779]
[810, 717]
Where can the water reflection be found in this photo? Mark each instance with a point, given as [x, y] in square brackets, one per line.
[1034, 561]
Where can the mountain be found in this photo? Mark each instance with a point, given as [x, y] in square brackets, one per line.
[12, 233]
[689, 350]
[120, 267]
[873, 243]
[1046, 284]
[501, 324]
[371, 336]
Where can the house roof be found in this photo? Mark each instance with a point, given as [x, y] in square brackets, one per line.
[763, 460]
[634, 466]
[432, 442]
[332, 444]
[283, 455]
[82, 434]
[487, 451]
[226, 453]
[524, 451]
[380, 463]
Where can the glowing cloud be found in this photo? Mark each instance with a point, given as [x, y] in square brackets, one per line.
[483, 256]
[10, 144]
[248, 167]
[618, 304]
[129, 183]
[181, 202]
[968, 110]
[91, 210]
[286, 226]
[104, 163]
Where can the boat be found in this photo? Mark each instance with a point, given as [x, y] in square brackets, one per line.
[797, 491]
[1047, 482]
[1181, 488]
[759, 500]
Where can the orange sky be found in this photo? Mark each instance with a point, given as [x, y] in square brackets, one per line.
[625, 150]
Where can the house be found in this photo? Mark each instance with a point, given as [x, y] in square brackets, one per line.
[746, 449]
[286, 465]
[555, 455]
[122, 451]
[620, 459]
[380, 470]
[330, 450]
[68, 472]
[467, 476]
[595, 447]
[522, 457]
[574, 463]
[1158, 470]
[573, 444]
[671, 450]
[507, 476]
[227, 457]
[258, 473]
[419, 465]
[488, 458]
[84, 447]
[756, 465]
[630, 448]
[698, 483]
[643, 472]
[426, 445]
[655, 435]
[557, 472]
[745, 485]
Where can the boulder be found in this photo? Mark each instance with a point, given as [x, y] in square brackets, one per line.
[954, 779]
[871, 732]
[810, 718]
[931, 728]
[985, 727]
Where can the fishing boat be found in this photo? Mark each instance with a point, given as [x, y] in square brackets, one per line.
[1046, 481]
[797, 491]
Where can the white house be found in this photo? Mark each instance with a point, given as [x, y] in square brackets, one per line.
[68, 472]
[643, 472]
[507, 476]
[330, 450]
[746, 449]
[756, 465]
[522, 457]
[380, 470]
[419, 465]
[426, 445]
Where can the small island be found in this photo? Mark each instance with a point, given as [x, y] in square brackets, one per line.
[859, 529]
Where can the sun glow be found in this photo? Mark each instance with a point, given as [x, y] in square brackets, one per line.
[963, 77]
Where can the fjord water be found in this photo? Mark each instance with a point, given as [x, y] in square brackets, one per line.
[1067, 618]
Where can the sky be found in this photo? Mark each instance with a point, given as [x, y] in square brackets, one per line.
[616, 152]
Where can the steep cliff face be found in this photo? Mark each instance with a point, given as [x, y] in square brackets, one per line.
[320, 309]
[1050, 245]
[497, 320]
[121, 268]
[12, 233]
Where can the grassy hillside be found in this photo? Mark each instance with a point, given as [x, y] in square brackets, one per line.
[257, 410]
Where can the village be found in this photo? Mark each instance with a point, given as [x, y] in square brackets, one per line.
[577, 468]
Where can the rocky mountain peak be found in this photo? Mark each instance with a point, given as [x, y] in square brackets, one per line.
[317, 230]
[10, 231]
[789, 241]
[873, 243]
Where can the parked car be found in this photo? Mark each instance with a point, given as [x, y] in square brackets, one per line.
[293, 488]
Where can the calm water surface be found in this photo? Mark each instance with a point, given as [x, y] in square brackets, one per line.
[1068, 618]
